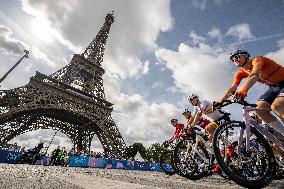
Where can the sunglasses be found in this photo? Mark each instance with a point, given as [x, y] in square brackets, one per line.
[235, 59]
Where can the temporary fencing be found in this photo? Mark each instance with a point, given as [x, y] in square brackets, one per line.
[87, 161]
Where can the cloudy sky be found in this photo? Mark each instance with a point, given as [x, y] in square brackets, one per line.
[157, 53]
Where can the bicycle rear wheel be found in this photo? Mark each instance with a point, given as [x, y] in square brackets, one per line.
[166, 160]
[189, 163]
[251, 168]
[279, 168]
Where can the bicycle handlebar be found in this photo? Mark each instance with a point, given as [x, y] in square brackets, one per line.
[234, 101]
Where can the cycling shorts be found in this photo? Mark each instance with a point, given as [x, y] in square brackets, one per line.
[219, 121]
[272, 93]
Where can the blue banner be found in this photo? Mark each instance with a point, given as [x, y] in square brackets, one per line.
[120, 164]
[85, 161]
[97, 162]
[9, 156]
[79, 161]
[146, 166]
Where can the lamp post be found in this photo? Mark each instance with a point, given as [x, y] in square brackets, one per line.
[26, 55]
[50, 142]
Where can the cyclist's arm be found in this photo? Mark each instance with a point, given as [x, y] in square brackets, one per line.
[196, 118]
[254, 75]
[227, 94]
[172, 138]
[190, 120]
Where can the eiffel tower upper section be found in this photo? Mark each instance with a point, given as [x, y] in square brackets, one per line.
[85, 71]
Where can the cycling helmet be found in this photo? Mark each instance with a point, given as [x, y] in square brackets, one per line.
[192, 96]
[174, 120]
[185, 110]
[237, 53]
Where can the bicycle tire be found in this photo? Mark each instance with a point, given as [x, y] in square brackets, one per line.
[192, 164]
[235, 174]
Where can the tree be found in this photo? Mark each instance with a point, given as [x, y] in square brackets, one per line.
[153, 152]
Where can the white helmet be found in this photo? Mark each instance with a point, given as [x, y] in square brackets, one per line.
[192, 96]
[185, 110]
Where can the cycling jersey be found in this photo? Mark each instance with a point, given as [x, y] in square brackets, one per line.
[206, 108]
[179, 128]
[203, 122]
[270, 72]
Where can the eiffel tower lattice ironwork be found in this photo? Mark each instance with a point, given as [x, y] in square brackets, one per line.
[71, 100]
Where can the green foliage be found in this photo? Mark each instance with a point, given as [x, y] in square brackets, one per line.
[132, 150]
[151, 154]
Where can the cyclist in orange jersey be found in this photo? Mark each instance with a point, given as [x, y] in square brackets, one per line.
[266, 71]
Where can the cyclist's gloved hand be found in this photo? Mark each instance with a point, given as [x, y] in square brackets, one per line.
[241, 94]
[165, 144]
[217, 105]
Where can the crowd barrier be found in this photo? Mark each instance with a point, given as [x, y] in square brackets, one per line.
[86, 161]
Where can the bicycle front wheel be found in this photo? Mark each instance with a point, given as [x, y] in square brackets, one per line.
[251, 168]
[191, 163]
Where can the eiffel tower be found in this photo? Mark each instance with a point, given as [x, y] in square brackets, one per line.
[71, 100]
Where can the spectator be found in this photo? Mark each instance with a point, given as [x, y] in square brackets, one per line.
[61, 156]
[54, 155]
[23, 149]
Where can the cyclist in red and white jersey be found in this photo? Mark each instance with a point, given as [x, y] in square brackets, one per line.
[205, 107]
[202, 122]
[178, 130]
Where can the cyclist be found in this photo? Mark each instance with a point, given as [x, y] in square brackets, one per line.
[265, 71]
[205, 107]
[178, 130]
[202, 122]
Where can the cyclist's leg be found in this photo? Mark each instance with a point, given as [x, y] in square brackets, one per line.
[277, 150]
[278, 105]
[266, 116]
[210, 129]
[265, 101]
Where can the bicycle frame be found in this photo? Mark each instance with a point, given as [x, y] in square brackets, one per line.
[195, 146]
[250, 121]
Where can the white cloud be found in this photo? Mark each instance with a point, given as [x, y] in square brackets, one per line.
[138, 120]
[41, 56]
[9, 44]
[135, 30]
[200, 69]
[196, 38]
[215, 33]
[146, 67]
[141, 122]
[278, 55]
[202, 4]
[32, 138]
[240, 31]
[173, 89]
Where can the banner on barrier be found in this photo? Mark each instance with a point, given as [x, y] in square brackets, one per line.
[9, 156]
[85, 161]
[79, 161]
[97, 162]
